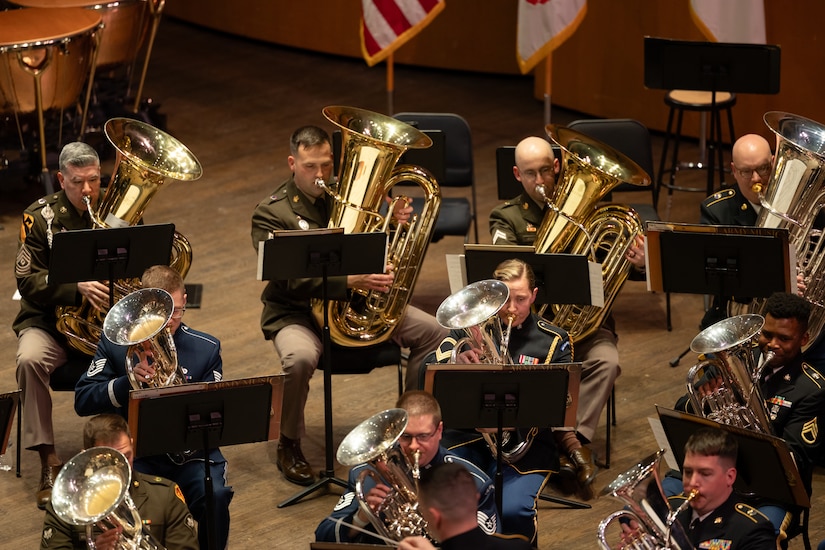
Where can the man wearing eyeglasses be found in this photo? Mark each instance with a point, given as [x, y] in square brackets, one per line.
[349, 521]
[751, 162]
[105, 386]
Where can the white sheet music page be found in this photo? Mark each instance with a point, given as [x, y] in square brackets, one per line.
[596, 284]
[456, 272]
[661, 440]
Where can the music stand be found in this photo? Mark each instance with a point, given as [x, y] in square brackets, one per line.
[711, 67]
[206, 416]
[109, 254]
[560, 278]
[759, 455]
[494, 396]
[718, 260]
[9, 403]
[321, 253]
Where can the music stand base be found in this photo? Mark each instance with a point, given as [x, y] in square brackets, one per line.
[564, 501]
[326, 478]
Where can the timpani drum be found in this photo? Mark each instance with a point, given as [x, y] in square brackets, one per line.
[125, 24]
[55, 46]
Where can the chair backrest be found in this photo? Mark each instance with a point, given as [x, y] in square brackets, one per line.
[627, 136]
[458, 170]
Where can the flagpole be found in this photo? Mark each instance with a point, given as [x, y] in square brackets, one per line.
[548, 74]
[390, 84]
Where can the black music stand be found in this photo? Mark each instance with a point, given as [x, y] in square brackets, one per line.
[206, 416]
[494, 396]
[759, 455]
[9, 403]
[321, 253]
[109, 254]
[711, 67]
[718, 260]
[560, 278]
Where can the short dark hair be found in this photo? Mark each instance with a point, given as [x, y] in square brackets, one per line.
[450, 488]
[713, 442]
[419, 403]
[783, 305]
[104, 429]
[306, 137]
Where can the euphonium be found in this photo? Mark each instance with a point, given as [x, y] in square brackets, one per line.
[738, 400]
[146, 158]
[573, 223]
[375, 441]
[640, 488]
[793, 199]
[371, 146]
[139, 321]
[92, 489]
[474, 309]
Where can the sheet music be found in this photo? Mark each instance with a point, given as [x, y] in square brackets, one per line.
[596, 284]
[456, 272]
[661, 440]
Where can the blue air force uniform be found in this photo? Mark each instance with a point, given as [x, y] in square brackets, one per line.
[105, 387]
[332, 528]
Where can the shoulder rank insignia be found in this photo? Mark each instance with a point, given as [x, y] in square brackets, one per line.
[750, 512]
[810, 431]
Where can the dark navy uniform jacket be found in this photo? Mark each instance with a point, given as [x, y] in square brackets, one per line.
[331, 530]
[727, 207]
[732, 526]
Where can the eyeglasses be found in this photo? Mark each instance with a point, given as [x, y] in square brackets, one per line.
[178, 312]
[421, 438]
[747, 173]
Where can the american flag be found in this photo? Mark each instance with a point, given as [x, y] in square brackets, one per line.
[543, 25]
[388, 24]
[740, 21]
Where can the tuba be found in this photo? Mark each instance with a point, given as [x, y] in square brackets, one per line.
[640, 488]
[146, 159]
[573, 223]
[92, 489]
[371, 146]
[139, 321]
[738, 400]
[474, 309]
[793, 198]
[375, 441]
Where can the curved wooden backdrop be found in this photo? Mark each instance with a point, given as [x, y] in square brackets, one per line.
[599, 71]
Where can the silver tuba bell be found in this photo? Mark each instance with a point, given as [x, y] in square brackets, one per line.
[139, 321]
[92, 490]
[738, 400]
[474, 309]
[640, 488]
[375, 441]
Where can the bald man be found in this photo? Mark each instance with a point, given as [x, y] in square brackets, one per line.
[751, 162]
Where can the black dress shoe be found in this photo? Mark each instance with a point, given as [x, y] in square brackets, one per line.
[44, 492]
[292, 464]
[567, 478]
[586, 471]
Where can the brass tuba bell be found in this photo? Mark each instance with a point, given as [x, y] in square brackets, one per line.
[372, 144]
[146, 159]
[139, 321]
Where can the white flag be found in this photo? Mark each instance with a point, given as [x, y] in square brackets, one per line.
[543, 25]
[741, 21]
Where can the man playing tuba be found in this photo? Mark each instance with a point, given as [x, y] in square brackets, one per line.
[516, 222]
[41, 349]
[300, 204]
[422, 436]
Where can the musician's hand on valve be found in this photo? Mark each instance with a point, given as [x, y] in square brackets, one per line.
[107, 540]
[470, 355]
[96, 292]
[636, 252]
[144, 371]
[402, 210]
[382, 282]
[710, 386]
[630, 533]
[374, 499]
[800, 285]
[415, 543]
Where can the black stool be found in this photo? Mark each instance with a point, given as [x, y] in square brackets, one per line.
[710, 142]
